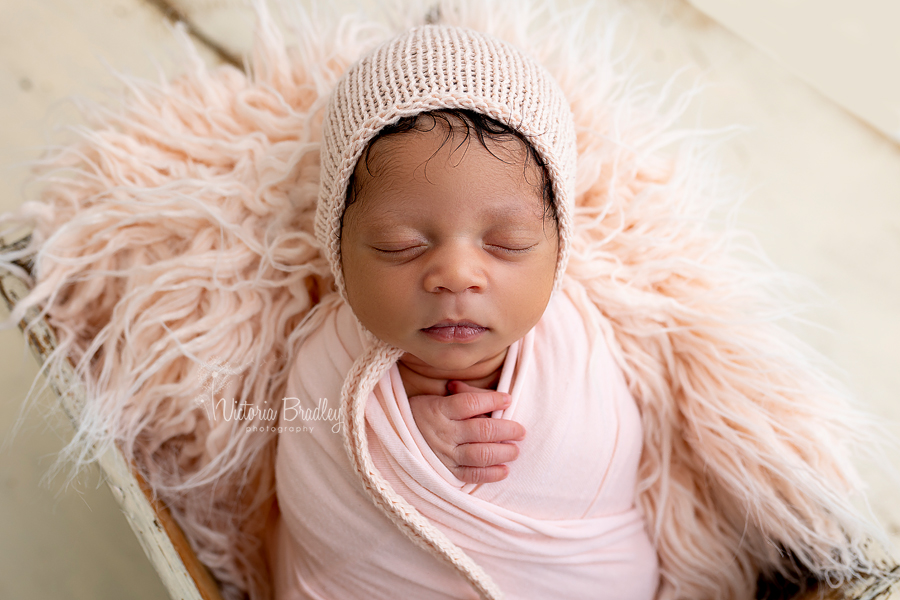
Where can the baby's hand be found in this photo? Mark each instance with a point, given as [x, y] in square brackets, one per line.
[473, 448]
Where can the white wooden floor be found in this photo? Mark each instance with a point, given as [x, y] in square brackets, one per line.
[824, 199]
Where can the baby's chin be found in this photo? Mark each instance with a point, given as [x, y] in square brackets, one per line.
[455, 366]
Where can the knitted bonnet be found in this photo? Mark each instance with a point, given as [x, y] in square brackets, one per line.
[441, 67]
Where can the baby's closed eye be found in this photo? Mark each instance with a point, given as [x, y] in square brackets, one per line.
[399, 249]
[511, 247]
[511, 244]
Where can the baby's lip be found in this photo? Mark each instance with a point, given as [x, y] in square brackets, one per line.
[455, 331]
[455, 323]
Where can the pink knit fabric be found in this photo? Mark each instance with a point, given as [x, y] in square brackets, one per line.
[564, 523]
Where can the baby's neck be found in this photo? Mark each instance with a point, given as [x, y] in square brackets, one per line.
[419, 381]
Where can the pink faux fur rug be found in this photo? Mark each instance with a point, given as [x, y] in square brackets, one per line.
[175, 258]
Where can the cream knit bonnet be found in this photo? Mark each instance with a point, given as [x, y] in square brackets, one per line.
[441, 67]
[431, 68]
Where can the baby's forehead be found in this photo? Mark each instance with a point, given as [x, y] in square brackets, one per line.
[476, 164]
[401, 168]
[419, 152]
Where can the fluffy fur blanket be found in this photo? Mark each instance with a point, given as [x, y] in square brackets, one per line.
[175, 257]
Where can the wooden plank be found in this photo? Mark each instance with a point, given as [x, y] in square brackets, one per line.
[183, 575]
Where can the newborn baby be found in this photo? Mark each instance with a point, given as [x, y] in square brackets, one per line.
[453, 346]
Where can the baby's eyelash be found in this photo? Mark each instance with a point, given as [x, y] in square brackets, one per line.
[508, 250]
[398, 252]
[411, 250]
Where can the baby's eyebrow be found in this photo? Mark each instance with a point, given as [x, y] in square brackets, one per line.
[515, 210]
[389, 217]
[515, 215]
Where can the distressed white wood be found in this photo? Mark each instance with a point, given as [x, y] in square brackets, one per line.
[849, 51]
[183, 575]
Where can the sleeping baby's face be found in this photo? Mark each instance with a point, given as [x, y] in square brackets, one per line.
[447, 251]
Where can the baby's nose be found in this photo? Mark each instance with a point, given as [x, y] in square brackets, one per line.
[455, 267]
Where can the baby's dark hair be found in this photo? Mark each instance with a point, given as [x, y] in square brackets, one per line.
[483, 126]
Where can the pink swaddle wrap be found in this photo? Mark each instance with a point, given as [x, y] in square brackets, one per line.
[562, 524]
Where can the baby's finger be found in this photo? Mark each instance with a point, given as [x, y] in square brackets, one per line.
[455, 386]
[474, 431]
[485, 455]
[481, 474]
[466, 405]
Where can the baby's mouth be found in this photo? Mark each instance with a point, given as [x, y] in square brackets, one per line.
[455, 331]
